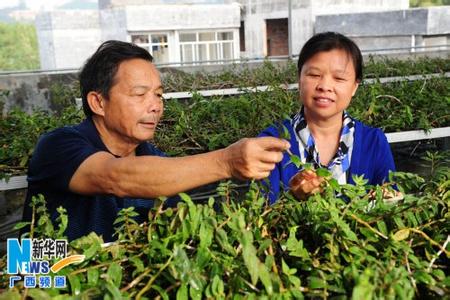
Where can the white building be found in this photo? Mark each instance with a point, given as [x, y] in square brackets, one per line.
[173, 33]
[186, 31]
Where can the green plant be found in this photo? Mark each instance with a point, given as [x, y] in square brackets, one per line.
[268, 73]
[353, 245]
[19, 133]
[18, 41]
[63, 95]
[206, 123]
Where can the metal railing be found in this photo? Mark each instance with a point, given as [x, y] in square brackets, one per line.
[244, 60]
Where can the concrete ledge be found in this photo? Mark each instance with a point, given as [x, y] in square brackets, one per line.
[15, 182]
[417, 135]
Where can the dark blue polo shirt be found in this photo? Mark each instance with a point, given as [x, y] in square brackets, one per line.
[56, 157]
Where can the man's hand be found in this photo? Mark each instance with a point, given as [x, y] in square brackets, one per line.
[305, 183]
[254, 158]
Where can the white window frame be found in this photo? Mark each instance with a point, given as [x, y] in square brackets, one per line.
[195, 45]
[150, 44]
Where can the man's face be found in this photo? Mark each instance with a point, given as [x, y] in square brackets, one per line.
[135, 102]
[327, 84]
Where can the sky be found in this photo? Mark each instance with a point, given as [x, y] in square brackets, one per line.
[37, 4]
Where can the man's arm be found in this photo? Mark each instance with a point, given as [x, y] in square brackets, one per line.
[153, 176]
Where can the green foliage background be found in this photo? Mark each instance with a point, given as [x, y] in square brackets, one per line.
[200, 124]
[423, 3]
[18, 47]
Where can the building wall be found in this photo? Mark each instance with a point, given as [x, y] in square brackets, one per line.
[113, 24]
[420, 27]
[182, 17]
[254, 13]
[46, 49]
[438, 20]
[67, 38]
[117, 19]
[353, 6]
[104, 4]
[400, 22]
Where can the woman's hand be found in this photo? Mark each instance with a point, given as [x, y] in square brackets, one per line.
[305, 183]
[389, 196]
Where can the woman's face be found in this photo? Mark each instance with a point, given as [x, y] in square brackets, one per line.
[327, 83]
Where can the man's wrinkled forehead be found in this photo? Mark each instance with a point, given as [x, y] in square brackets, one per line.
[137, 73]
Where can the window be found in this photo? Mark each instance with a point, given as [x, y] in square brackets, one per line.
[155, 43]
[206, 46]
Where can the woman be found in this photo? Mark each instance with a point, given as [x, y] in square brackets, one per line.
[322, 132]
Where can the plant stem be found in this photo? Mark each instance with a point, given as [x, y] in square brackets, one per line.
[368, 226]
[150, 282]
[136, 280]
[433, 242]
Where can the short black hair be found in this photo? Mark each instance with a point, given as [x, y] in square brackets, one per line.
[327, 41]
[100, 69]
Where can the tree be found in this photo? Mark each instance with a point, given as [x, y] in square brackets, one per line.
[18, 47]
[422, 3]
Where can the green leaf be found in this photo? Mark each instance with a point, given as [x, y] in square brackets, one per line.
[322, 172]
[206, 235]
[285, 267]
[249, 254]
[75, 285]
[203, 257]
[38, 294]
[113, 290]
[138, 264]
[195, 293]
[424, 277]
[222, 240]
[295, 281]
[91, 251]
[161, 292]
[92, 277]
[62, 219]
[294, 246]
[295, 160]
[316, 283]
[357, 251]
[382, 227]
[285, 134]
[115, 273]
[182, 293]
[264, 275]
[11, 294]
[21, 225]
[363, 290]
[401, 234]
[182, 264]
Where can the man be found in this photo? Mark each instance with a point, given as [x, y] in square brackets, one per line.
[105, 163]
